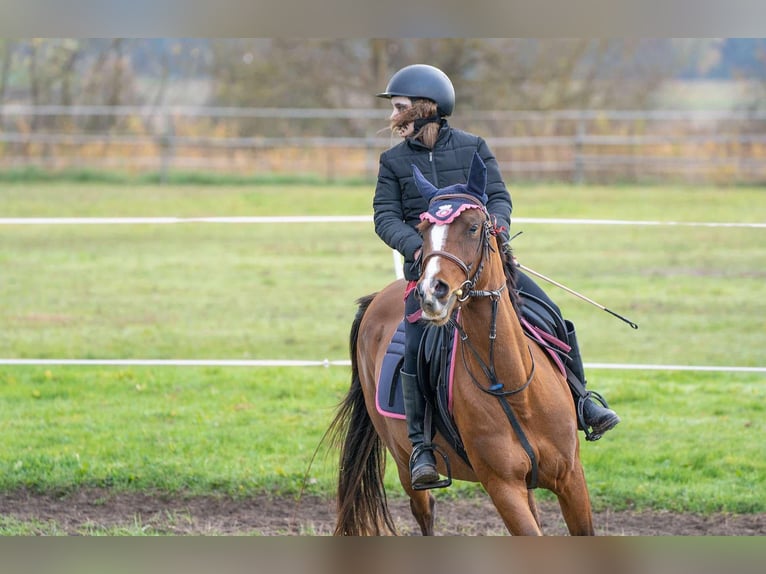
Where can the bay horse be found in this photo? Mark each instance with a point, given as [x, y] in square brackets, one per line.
[511, 404]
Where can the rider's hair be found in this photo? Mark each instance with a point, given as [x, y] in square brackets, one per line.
[421, 108]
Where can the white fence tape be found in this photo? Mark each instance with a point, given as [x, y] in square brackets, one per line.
[329, 363]
[336, 219]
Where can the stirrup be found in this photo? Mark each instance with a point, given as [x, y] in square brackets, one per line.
[582, 425]
[589, 434]
[434, 449]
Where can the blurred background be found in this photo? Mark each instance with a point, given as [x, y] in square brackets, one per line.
[570, 110]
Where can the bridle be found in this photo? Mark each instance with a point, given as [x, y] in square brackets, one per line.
[468, 289]
[484, 246]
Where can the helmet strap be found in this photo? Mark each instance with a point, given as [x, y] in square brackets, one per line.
[420, 122]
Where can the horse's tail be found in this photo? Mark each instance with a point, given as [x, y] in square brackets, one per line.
[362, 504]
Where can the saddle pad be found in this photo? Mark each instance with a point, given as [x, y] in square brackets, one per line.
[388, 398]
[543, 325]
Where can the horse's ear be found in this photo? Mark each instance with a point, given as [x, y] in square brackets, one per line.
[425, 187]
[477, 177]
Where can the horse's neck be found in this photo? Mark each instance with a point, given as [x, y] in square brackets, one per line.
[511, 353]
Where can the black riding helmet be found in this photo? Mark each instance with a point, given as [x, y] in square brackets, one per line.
[423, 81]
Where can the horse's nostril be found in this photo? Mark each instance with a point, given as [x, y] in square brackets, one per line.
[441, 289]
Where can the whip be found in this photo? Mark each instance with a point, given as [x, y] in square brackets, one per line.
[575, 293]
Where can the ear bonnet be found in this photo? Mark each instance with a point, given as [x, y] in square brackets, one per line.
[447, 203]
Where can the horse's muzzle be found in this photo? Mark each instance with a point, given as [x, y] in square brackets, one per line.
[436, 300]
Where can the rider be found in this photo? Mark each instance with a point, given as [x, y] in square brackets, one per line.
[423, 97]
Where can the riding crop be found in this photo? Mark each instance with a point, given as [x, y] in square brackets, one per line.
[575, 293]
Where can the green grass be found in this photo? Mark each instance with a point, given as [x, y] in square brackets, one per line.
[195, 430]
[36, 175]
[13, 527]
[689, 441]
[65, 199]
[209, 291]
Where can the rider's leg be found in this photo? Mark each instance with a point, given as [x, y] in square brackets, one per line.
[599, 418]
[423, 462]
[596, 417]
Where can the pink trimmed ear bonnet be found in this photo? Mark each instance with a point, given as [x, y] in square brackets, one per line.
[443, 206]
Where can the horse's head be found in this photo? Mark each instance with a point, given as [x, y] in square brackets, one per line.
[456, 233]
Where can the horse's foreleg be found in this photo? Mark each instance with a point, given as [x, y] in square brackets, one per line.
[421, 501]
[574, 501]
[516, 508]
[422, 505]
[533, 507]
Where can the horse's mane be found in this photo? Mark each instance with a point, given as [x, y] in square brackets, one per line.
[510, 276]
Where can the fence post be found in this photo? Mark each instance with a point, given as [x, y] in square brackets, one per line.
[579, 162]
[166, 145]
[370, 161]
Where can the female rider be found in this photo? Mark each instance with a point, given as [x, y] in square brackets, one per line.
[422, 98]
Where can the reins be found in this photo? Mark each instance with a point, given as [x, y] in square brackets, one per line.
[496, 387]
[467, 291]
[488, 368]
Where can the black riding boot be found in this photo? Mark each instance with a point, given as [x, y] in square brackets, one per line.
[422, 462]
[593, 418]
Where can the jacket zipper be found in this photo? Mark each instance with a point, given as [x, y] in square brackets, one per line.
[433, 168]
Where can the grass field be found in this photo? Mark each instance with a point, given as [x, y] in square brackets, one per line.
[689, 441]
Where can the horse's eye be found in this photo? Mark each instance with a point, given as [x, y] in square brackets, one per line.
[474, 228]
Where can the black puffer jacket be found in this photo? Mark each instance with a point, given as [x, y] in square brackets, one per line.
[398, 204]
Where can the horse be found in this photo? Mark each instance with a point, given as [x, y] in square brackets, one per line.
[511, 404]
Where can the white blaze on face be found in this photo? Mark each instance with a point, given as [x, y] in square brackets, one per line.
[438, 238]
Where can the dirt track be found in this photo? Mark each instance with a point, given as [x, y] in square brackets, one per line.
[82, 511]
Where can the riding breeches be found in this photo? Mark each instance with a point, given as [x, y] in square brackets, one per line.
[412, 334]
